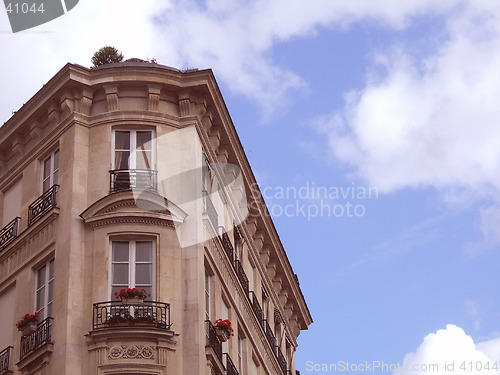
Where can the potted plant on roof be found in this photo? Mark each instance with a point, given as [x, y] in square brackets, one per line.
[28, 324]
[132, 296]
[223, 329]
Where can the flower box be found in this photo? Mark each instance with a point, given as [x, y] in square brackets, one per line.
[134, 301]
[223, 329]
[222, 334]
[28, 329]
[28, 324]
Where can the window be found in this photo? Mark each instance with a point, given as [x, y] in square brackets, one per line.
[50, 171]
[207, 295]
[132, 266]
[265, 304]
[241, 345]
[238, 243]
[45, 290]
[12, 202]
[133, 149]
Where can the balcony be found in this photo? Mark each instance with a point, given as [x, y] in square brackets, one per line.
[115, 314]
[213, 340]
[256, 308]
[132, 179]
[240, 272]
[228, 246]
[4, 361]
[209, 209]
[269, 334]
[230, 367]
[35, 340]
[281, 359]
[42, 205]
[9, 233]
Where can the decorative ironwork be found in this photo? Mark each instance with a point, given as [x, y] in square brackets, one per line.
[269, 334]
[228, 246]
[213, 340]
[37, 339]
[150, 314]
[230, 367]
[281, 359]
[43, 204]
[9, 232]
[256, 308]
[240, 272]
[128, 179]
[209, 209]
[4, 360]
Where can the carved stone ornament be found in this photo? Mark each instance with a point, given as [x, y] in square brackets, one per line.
[131, 352]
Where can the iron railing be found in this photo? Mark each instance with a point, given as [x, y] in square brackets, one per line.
[256, 308]
[281, 359]
[129, 179]
[35, 340]
[240, 272]
[230, 367]
[4, 360]
[9, 232]
[114, 314]
[209, 209]
[228, 246]
[269, 334]
[213, 340]
[42, 204]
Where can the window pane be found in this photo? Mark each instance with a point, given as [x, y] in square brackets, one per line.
[56, 160]
[143, 159]
[41, 277]
[143, 274]
[49, 309]
[51, 270]
[144, 140]
[40, 298]
[46, 168]
[46, 185]
[120, 251]
[41, 314]
[122, 159]
[51, 291]
[122, 140]
[143, 251]
[120, 274]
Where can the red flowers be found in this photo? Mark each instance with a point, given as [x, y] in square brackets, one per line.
[225, 325]
[27, 319]
[131, 293]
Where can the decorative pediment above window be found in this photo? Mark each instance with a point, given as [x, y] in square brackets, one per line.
[142, 207]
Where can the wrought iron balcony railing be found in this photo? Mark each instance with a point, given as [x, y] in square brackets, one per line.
[129, 179]
[269, 334]
[115, 314]
[213, 340]
[240, 272]
[256, 308]
[9, 233]
[228, 246]
[230, 367]
[42, 204]
[4, 360]
[281, 359]
[209, 209]
[37, 339]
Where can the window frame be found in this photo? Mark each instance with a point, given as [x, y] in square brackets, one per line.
[48, 302]
[132, 260]
[53, 170]
[133, 147]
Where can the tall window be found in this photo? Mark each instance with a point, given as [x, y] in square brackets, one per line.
[207, 295]
[133, 149]
[132, 265]
[238, 243]
[45, 290]
[50, 171]
[241, 344]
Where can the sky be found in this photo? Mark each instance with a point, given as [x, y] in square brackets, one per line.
[373, 130]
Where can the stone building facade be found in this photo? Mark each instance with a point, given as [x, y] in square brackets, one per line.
[131, 175]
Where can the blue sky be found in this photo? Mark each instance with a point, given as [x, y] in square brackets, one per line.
[401, 97]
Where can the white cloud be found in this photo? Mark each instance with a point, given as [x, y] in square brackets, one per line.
[433, 120]
[451, 351]
[235, 38]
